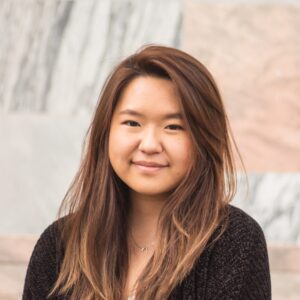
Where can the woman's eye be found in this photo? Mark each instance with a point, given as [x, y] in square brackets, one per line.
[131, 123]
[175, 127]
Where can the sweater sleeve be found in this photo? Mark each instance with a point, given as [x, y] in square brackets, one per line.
[239, 265]
[42, 268]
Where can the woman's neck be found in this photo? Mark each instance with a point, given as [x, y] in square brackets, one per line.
[143, 216]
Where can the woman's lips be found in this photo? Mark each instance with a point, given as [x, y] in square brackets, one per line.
[148, 163]
[148, 166]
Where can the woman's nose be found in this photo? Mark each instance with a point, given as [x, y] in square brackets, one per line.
[150, 142]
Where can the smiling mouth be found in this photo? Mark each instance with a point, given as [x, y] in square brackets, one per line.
[148, 167]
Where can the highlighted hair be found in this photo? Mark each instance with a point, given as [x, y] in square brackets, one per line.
[95, 262]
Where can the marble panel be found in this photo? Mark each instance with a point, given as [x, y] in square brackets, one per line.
[252, 49]
[284, 258]
[55, 55]
[16, 249]
[285, 285]
[39, 159]
[273, 199]
[12, 277]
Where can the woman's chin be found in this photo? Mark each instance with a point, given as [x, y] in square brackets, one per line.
[149, 192]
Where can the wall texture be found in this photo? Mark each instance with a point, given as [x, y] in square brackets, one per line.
[55, 55]
[252, 48]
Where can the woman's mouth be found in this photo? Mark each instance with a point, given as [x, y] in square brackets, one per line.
[148, 166]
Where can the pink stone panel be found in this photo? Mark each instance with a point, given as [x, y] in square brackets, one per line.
[16, 248]
[253, 51]
[284, 258]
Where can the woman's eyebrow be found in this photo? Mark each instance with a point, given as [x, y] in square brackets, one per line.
[131, 112]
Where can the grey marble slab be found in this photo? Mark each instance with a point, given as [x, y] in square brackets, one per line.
[273, 199]
[39, 156]
[55, 55]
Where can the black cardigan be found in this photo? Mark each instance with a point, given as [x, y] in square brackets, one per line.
[235, 267]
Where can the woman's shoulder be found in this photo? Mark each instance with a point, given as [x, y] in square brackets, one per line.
[242, 244]
[242, 225]
[238, 230]
[44, 262]
[51, 236]
[241, 230]
[238, 266]
[50, 243]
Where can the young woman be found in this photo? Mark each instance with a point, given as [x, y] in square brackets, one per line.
[148, 212]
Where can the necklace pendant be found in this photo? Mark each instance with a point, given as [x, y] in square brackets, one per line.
[143, 249]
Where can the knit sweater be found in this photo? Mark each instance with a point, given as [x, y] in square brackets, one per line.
[236, 266]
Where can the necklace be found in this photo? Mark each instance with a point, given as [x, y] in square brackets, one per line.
[141, 249]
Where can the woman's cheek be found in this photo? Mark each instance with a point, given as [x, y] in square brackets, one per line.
[187, 150]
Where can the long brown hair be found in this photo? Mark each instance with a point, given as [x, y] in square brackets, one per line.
[95, 260]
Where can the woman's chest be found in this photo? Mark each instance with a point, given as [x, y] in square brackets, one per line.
[137, 264]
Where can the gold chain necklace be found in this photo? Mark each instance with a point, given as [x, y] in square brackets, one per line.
[142, 249]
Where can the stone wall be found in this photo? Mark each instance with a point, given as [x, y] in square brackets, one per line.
[55, 55]
[252, 49]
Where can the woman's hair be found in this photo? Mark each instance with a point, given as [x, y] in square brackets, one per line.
[95, 262]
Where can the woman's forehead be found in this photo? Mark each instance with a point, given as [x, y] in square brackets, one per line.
[147, 95]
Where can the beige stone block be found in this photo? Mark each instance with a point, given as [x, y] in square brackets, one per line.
[16, 249]
[253, 52]
[284, 258]
[12, 278]
[285, 285]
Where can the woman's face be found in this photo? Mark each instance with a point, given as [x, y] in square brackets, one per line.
[150, 148]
